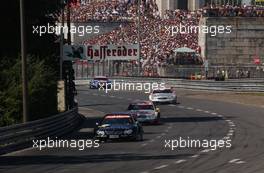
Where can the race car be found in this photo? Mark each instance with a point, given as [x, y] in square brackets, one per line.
[118, 126]
[166, 95]
[145, 111]
[100, 82]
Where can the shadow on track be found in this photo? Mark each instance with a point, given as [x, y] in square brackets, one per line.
[99, 158]
[81, 132]
[190, 119]
[98, 104]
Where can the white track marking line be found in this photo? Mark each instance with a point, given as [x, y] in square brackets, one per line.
[18, 152]
[144, 144]
[195, 156]
[213, 113]
[171, 105]
[205, 150]
[226, 138]
[240, 162]
[237, 161]
[199, 110]
[189, 108]
[152, 140]
[179, 161]
[234, 160]
[160, 167]
[230, 134]
[231, 131]
[158, 137]
[207, 112]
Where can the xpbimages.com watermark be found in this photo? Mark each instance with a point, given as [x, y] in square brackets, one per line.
[80, 144]
[212, 144]
[196, 29]
[145, 87]
[80, 30]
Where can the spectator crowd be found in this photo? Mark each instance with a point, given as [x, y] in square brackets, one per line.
[233, 11]
[156, 44]
[108, 10]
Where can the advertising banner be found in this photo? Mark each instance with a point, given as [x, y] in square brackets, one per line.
[100, 52]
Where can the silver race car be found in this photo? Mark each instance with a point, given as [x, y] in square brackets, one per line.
[145, 111]
[166, 95]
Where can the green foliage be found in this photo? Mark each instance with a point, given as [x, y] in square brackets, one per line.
[42, 92]
[43, 65]
[10, 97]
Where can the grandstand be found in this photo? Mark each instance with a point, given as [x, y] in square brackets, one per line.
[156, 44]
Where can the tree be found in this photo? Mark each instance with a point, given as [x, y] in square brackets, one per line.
[43, 60]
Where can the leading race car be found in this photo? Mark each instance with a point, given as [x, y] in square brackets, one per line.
[118, 126]
[145, 111]
[100, 82]
[166, 95]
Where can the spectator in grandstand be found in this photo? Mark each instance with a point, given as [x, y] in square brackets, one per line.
[156, 45]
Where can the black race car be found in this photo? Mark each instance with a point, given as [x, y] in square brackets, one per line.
[118, 126]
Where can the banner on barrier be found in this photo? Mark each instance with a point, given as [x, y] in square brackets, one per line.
[100, 52]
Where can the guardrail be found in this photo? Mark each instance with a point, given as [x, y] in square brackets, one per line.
[228, 85]
[18, 136]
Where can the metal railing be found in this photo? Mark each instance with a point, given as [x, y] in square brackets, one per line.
[18, 136]
[85, 70]
[243, 85]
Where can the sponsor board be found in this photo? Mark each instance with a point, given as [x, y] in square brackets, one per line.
[101, 52]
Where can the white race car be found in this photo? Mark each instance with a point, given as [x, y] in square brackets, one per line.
[145, 111]
[166, 95]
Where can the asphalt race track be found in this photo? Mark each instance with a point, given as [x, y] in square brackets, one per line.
[193, 118]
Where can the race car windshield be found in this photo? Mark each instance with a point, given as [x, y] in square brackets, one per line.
[140, 107]
[162, 91]
[117, 121]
